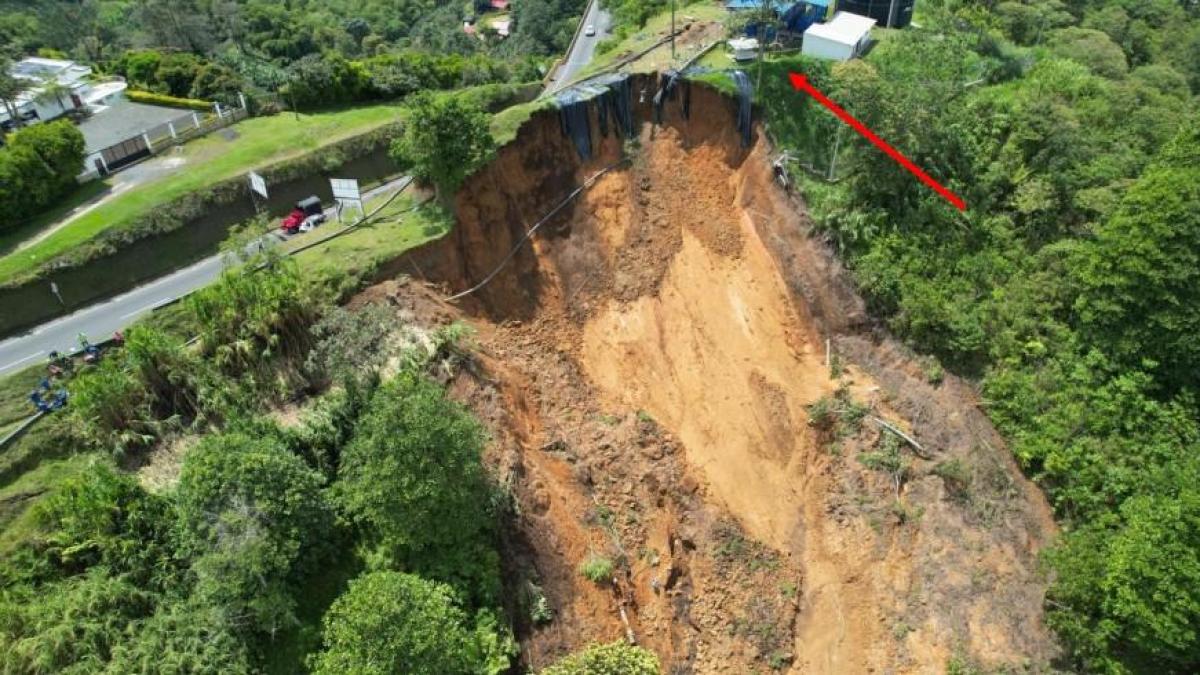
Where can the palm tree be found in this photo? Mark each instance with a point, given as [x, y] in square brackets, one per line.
[54, 91]
[10, 88]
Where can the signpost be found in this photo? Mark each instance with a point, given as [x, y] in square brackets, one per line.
[346, 193]
[258, 186]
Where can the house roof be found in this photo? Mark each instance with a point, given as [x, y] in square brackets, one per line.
[499, 4]
[844, 28]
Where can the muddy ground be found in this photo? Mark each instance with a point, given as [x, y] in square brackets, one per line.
[679, 379]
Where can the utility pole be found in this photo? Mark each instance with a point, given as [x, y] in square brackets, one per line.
[672, 32]
[762, 42]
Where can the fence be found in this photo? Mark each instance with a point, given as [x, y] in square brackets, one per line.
[157, 139]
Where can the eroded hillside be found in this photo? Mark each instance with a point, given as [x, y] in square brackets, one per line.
[678, 379]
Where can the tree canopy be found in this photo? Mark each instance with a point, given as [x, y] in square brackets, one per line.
[446, 139]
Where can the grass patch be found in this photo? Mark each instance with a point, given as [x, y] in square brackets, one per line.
[347, 261]
[656, 28]
[597, 569]
[258, 141]
[506, 123]
[16, 499]
[85, 193]
[14, 394]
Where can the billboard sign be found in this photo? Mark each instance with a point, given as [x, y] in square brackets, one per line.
[258, 184]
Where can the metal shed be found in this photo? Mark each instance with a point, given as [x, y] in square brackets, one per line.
[841, 39]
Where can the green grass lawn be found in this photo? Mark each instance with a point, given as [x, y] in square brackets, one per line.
[259, 141]
[351, 259]
[86, 192]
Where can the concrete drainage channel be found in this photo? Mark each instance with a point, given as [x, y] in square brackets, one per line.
[273, 237]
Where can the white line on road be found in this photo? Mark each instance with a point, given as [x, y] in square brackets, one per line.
[19, 361]
[150, 306]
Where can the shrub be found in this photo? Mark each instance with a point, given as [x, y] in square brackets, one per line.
[597, 569]
[616, 658]
[151, 98]
[38, 165]
[389, 622]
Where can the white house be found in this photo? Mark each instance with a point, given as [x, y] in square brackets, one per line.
[841, 39]
[36, 103]
[744, 49]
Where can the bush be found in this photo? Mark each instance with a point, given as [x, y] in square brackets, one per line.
[597, 569]
[617, 658]
[388, 622]
[38, 166]
[151, 98]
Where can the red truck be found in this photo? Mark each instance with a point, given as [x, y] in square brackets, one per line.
[308, 214]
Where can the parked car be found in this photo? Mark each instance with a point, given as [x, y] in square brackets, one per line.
[308, 214]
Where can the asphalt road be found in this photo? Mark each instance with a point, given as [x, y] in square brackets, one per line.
[99, 321]
[585, 47]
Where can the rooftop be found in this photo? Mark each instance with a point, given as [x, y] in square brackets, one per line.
[844, 27]
[40, 71]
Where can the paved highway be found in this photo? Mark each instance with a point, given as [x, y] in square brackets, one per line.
[585, 47]
[99, 321]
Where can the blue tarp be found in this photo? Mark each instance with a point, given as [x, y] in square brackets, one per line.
[777, 5]
[612, 95]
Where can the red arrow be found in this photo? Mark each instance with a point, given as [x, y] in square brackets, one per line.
[800, 82]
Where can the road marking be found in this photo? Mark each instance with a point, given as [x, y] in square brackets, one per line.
[150, 306]
[19, 361]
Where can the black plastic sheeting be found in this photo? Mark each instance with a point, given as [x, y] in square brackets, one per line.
[613, 97]
[673, 84]
[745, 95]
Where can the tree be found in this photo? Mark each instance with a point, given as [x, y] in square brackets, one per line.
[1140, 277]
[1127, 593]
[445, 140]
[253, 519]
[413, 482]
[54, 91]
[617, 658]
[389, 622]
[10, 88]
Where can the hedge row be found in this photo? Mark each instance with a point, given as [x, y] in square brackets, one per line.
[152, 98]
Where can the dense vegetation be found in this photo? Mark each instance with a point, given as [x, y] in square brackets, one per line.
[1069, 286]
[378, 480]
[38, 165]
[305, 53]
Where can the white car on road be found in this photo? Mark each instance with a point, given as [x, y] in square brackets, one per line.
[589, 30]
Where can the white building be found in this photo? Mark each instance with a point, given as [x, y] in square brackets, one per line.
[744, 49]
[841, 39]
[38, 103]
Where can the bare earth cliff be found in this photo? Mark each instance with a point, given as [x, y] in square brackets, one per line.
[652, 368]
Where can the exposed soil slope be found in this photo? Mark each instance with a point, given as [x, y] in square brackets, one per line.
[647, 365]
